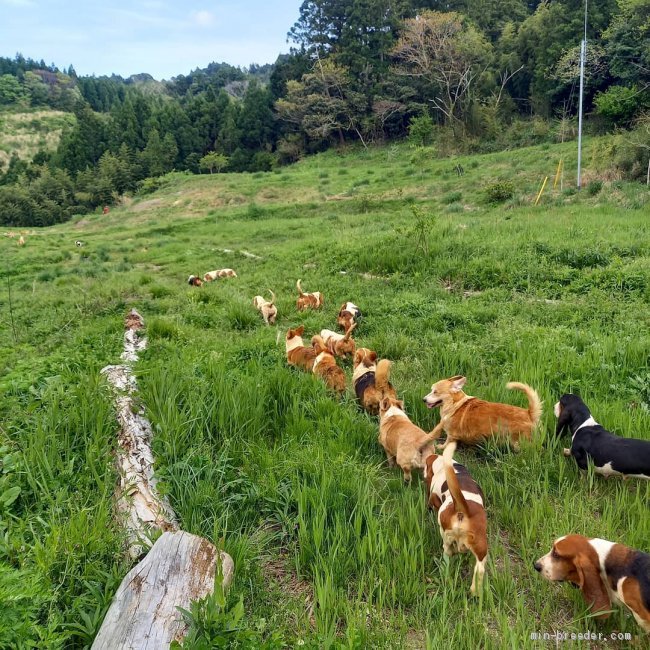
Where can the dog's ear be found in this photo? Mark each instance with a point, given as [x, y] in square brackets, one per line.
[372, 357]
[457, 383]
[563, 418]
[400, 404]
[384, 405]
[299, 331]
[592, 587]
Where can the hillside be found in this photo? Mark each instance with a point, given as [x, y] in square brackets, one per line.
[331, 549]
[26, 133]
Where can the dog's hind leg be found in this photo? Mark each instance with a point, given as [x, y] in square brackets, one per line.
[477, 579]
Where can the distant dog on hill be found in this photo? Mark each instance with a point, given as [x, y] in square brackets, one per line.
[194, 281]
[308, 300]
[268, 309]
[210, 276]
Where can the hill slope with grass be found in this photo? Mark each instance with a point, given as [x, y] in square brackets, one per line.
[24, 134]
[331, 549]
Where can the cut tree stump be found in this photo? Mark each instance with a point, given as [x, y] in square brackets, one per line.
[179, 568]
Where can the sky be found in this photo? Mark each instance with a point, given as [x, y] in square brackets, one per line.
[162, 37]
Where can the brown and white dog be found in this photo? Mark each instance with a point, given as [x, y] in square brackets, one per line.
[298, 354]
[210, 276]
[268, 309]
[339, 344]
[194, 281]
[370, 380]
[308, 300]
[606, 573]
[458, 500]
[325, 366]
[21, 241]
[348, 316]
[403, 441]
[471, 420]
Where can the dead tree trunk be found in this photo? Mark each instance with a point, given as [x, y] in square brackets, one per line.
[180, 567]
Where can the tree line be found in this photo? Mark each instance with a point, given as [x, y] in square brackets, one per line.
[466, 73]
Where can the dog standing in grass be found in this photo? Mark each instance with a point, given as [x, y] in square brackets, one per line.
[298, 354]
[326, 368]
[268, 309]
[312, 300]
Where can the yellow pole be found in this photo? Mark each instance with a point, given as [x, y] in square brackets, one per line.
[539, 196]
[557, 174]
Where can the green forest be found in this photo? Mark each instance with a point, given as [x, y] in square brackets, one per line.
[468, 77]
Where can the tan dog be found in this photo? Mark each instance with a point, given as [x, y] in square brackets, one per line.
[21, 241]
[458, 500]
[297, 353]
[403, 441]
[268, 309]
[471, 420]
[370, 380]
[348, 316]
[326, 368]
[308, 300]
[210, 276]
[339, 344]
[606, 573]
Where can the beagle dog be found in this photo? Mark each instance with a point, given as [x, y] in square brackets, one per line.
[194, 281]
[308, 300]
[326, 368]
[298, 354]
[404, 442]
[21, 241]
[471, 420]
[268, 309]
[606, 573]
[459, 502]
[370, 380]
[210, 276]
[348, 316]
[610, 454]
[339, 344]
[78, 243]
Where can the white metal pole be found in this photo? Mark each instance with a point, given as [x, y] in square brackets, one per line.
[583, 56]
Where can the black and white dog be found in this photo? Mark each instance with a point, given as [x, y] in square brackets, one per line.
[611, 455]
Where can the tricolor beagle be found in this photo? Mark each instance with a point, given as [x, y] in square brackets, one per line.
[458, 499]
[308, 300]
[194, 281]
[606, 573]
[610, 454]
[348, 316]
[370, 380]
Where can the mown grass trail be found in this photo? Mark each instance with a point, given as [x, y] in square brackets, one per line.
[330, 547]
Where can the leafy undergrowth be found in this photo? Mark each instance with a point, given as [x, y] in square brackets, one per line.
[331, 549]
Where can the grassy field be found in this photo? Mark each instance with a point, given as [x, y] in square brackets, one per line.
[26, 133]
[331, 549]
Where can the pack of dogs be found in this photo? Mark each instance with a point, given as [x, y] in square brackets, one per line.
[607, 573]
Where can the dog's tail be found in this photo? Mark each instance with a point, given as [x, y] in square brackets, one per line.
[452, 479]
[382, 374]
[299, 286]
[534, 403]
[272, 297]
[349, 331]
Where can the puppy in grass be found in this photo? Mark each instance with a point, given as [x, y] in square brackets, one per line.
[312, 300]
[326, 368]
[404, 442]
[268, 309]
[298, 354]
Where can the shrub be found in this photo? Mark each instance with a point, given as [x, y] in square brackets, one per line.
[594, 187]
[421, 130]
[499, 192]
[618, 104]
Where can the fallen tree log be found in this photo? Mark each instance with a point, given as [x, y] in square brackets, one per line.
[179, 567]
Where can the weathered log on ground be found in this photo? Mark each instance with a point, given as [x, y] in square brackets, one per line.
[179, 568]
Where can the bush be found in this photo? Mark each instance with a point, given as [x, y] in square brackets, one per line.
[594, 187]
[618, 104]
[421, 131]
[499, 192]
